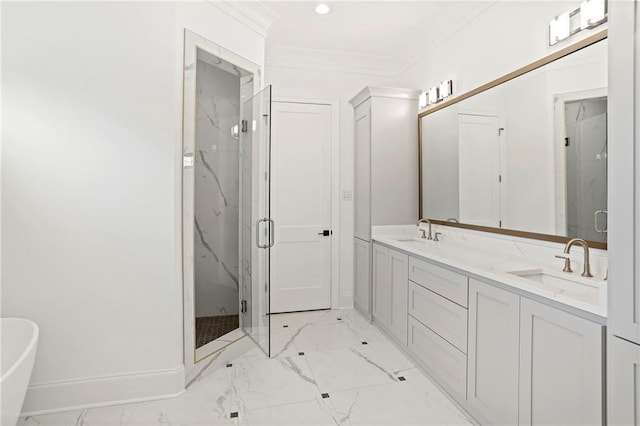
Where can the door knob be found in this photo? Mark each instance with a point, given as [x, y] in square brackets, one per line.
[325, 233]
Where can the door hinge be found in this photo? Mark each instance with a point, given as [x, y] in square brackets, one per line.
[566, 141]
[244, 126]
[243, 306]
[499, 178]
[500, 224]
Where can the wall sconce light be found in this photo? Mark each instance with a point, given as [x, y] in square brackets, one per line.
[592, 13]
[559, 28]
[446, 89]
[422, 100]
[434, 95]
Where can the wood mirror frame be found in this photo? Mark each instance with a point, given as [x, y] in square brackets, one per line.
[505, 78]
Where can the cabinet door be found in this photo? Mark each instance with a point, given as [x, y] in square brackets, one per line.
[623, 375]
[560, 367]
[493, 353]
[362, 287]
[362, 176]
[381, 285]
[399, 274]
[394, 169]
[623, 118]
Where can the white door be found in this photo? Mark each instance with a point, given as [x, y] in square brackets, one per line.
[301, 207]
[479, 169]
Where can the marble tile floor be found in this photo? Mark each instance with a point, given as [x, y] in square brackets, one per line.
[328, 368]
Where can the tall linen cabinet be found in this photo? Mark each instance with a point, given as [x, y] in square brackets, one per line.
[623, 343]
[386, 173]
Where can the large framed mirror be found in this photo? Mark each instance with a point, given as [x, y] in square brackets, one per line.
[524, 155]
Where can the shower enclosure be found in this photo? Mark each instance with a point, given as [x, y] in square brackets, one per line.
[227, 231]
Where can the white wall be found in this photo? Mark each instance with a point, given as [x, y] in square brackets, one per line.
[92, 96]
[329, 85]
[504, 37]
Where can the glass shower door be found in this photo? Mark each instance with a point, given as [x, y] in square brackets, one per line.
[256, 225]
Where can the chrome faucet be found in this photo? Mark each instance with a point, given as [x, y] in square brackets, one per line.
[586, 272]
[430, 237]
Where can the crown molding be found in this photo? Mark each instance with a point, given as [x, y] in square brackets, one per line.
[384, 92]
[256, 15]
[343, 62]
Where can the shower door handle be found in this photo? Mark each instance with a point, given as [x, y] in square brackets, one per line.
[262, 246]
[595, 221]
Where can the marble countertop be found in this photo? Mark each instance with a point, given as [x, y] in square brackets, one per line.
[587, 294]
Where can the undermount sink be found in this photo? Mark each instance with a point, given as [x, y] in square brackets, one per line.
[413, 242]
[588, 290]
[543, 277]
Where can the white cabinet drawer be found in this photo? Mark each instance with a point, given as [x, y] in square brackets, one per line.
[441, 315]
[449, 284]
[445, 362]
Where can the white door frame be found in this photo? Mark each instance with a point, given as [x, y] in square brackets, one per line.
[335, 187]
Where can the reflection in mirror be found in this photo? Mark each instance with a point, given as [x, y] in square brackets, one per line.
[528, 155]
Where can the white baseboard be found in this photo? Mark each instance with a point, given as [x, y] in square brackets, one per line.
[346, 301]
[69, 395]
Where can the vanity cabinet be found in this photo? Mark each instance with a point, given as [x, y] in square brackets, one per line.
[438, 323]
[385, 139]
[532, 364]
[446, 364]
[561, 367]
[390, 278]
[494, 318]
[362, 279]
[622, 373]
[507, 359]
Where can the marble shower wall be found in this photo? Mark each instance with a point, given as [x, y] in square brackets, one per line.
[216, 191]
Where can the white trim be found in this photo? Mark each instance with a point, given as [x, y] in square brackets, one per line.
[384, 92]
[335, 188]
[255, 15]
[70, 395]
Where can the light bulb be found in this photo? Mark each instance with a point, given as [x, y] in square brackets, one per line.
[323, 9]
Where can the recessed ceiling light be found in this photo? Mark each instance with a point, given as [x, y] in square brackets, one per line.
[323, 9]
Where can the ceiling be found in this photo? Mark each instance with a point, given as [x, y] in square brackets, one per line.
[369, 37]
